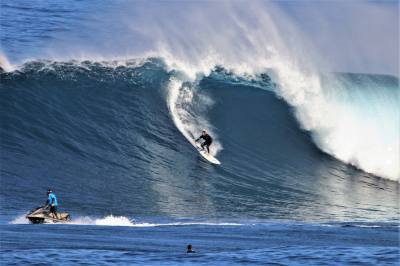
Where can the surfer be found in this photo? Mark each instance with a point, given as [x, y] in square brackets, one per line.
[207, 140]
[190, 249]
[52, 203]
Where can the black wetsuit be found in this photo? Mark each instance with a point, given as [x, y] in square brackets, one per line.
[207, 141]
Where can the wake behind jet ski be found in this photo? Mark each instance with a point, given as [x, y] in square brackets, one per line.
[48, 213]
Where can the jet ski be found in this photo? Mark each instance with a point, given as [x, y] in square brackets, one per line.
[42, 215]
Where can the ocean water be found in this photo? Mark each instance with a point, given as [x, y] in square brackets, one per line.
[309, 172]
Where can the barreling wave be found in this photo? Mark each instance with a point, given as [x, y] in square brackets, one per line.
[352, 117]
[121, 128]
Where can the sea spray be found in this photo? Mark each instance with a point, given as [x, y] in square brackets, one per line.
[183, 111]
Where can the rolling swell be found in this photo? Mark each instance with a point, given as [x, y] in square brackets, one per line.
[103, 134]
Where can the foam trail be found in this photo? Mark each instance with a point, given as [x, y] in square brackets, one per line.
[112, 220]
[109, 220]
[181, 105]
[5, 64]
[20, 220]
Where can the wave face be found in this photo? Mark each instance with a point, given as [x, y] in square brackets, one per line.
[111, 138]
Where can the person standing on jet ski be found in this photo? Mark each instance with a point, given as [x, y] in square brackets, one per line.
[207, 140]
[52, 203]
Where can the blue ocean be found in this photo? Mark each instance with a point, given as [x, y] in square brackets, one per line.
[100, 101]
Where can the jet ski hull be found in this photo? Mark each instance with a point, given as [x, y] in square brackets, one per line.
[42, 215]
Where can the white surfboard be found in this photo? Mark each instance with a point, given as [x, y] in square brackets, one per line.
[205, 154]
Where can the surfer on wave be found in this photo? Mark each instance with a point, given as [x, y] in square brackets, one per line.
[207, 140]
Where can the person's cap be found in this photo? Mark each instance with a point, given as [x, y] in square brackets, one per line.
[49, 190]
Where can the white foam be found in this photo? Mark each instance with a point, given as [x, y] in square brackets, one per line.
[109, 220]
[185, 224]
[190, 124]
[5, 64]
[112, 220]
[20, 220]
